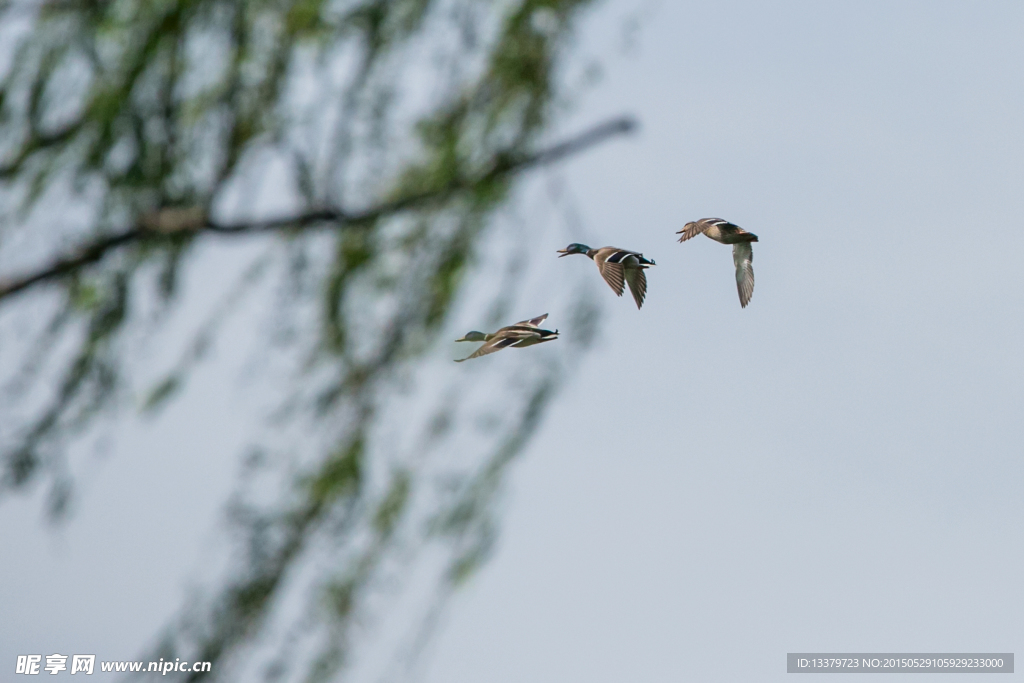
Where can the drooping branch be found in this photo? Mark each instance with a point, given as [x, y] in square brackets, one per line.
[158, 228]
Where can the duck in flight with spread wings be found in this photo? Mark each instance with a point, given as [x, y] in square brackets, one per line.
[725, 232]
[523, 333]
[618, 267]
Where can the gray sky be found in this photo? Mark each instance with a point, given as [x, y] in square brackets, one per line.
[835, 468]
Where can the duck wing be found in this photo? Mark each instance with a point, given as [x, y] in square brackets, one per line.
[611, 270]
[743, 257]
[496, 344]
[694, 228]
[620, 267]
[614, 263]
[637, 282]
[532, 322]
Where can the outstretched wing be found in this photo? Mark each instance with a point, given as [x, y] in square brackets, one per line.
[491, 346]
[533, 322]
[612, 273]
[637, 284]
[743, 257]
[694, 228]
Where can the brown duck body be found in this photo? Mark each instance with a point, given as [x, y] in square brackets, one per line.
[730, 234]
[717, 229]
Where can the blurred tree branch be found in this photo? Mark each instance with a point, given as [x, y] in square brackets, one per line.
[396, 127]
[167, 223]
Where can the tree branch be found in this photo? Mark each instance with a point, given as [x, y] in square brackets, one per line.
[159, 227]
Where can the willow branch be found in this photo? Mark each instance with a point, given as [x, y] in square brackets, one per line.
[163, 228]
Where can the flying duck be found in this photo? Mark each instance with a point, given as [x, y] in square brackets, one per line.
[524, 333]
[618, 267]
[725, 232]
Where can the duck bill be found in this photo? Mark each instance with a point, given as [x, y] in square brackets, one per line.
[563, 252]
[463, 339]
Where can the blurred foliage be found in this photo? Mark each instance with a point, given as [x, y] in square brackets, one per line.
[399, 123]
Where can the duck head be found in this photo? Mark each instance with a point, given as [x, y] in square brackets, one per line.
[473, 336]
[574, 248]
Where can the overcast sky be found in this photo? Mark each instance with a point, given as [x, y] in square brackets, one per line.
[837, 467]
